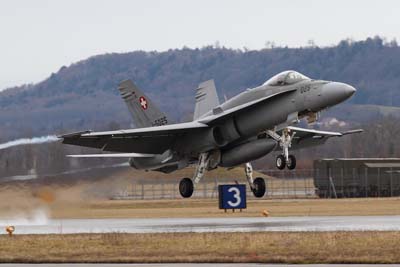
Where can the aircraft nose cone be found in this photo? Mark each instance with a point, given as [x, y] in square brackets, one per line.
[335, 92]
[349, 90]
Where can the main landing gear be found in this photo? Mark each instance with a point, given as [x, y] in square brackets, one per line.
[187, 185]
[257, 185]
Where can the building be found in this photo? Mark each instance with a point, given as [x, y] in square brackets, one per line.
[357, 177]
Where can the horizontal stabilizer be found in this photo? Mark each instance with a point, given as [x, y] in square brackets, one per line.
[120, 155]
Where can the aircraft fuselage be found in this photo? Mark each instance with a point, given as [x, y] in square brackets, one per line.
[284, 105]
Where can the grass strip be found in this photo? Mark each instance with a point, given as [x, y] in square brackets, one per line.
[265, 247]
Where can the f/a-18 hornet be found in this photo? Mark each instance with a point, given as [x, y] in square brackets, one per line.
[236, 132]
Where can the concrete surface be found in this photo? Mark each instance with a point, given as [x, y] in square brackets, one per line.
[235, 224]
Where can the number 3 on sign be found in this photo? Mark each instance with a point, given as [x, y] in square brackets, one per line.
[236, 196]
[232, 196]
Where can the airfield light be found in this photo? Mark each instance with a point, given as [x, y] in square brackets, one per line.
[10, 230]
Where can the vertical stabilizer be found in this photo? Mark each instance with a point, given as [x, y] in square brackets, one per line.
[206, 98]
[144, 112]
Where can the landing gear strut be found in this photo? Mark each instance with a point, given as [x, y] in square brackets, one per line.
[186, 185]
[258, 185]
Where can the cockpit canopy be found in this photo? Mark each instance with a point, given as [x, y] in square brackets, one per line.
[285, 78]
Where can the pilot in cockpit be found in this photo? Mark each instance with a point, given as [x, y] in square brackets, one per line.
[286, 78]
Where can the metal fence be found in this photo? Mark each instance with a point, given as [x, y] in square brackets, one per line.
[280, 184]
[357, 182]
[329, 179]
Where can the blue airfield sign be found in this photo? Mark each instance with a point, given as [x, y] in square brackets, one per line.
[232, 196]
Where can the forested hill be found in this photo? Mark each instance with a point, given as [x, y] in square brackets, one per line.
[85, 96]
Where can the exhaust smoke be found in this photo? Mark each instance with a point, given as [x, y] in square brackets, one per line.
[37, 216]
[29, 141]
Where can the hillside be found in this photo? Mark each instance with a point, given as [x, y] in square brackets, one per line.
[84, 95]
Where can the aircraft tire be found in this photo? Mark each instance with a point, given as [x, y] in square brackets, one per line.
[280, 162]
[259, 187]
[186, 187]
[291, 164]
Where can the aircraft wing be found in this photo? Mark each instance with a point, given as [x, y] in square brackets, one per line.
[310, 137]
[149, 140]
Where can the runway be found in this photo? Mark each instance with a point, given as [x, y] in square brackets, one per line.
[181, 225]
[200, 265]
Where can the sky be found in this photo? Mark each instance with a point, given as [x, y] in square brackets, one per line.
[39, 37]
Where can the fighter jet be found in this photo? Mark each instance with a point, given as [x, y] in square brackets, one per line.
[244, 128]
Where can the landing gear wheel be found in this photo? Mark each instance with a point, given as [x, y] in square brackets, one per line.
[280, 162]
[259, 187]
[291, 164]
[186, 187]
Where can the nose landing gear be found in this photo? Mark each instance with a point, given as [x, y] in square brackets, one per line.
[285, 142]
[280, 162]
[291, 162]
